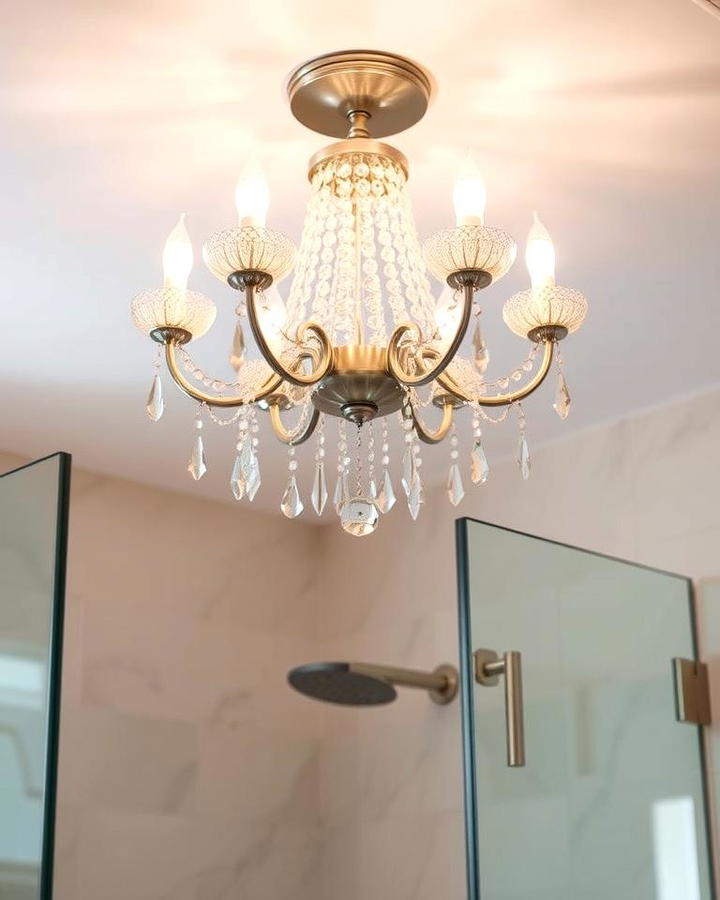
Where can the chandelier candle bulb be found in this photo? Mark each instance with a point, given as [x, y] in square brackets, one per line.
[362, 328]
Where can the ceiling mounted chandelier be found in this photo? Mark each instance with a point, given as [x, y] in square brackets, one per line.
[360, 338]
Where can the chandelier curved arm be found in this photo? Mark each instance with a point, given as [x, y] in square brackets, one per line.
[268, 387]
[291, 437]
[452, 387]
[395, 355]
[324, 361]
[434, 437]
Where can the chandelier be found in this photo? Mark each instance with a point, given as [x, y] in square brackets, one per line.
[361, 339]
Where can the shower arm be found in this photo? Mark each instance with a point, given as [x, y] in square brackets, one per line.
[441, 683]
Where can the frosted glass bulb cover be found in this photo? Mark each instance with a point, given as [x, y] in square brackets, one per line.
[177, 256]
[540, 255]
[249, 247]
[491, 250]
[551, 305]
[169, 307]
[252, 196]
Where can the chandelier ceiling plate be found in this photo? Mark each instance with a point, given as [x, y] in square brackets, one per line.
[392, 90]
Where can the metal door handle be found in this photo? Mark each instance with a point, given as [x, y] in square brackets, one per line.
[489, 666]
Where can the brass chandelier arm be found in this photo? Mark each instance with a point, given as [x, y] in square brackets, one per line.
[451, 386]
[322, 367]
[394, 363]
[434, 437]
[289, 437]
[270, 386]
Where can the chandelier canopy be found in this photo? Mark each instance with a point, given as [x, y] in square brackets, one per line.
[361, 331]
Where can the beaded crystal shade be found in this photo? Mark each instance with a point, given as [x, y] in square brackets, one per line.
[362, 341]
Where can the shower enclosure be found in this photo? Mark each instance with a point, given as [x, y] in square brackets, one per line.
[33, 536]
[580, 780]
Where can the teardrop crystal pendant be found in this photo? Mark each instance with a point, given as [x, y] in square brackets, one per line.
[197, 466]
[386, 495]
[252, 474]
[562, 401]
[291, 504]
[408, 469]
[455, 488]
[319, 493]
[524, 457]
[481, 355]
[237, 479]
[341, 492]
[416, 497]
[479, 468]
[237, 351]
[155, 404]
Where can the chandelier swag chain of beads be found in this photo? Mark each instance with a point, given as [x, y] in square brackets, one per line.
[361, 334]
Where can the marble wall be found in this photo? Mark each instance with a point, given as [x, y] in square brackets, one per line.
[645, 489]
[185, 770]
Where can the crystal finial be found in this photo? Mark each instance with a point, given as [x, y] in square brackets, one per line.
[523, 457]
[481, 355]
[237, 479]
[562, 401]
[359, 516]
[237, 351]
[416, 497]
[386, 496]
[197, 466]
[291, 504]
[479, 468]
[155, 403]
[455, 489]
[319, 489]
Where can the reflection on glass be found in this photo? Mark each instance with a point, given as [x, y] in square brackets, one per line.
[675, 845]
[32, 499]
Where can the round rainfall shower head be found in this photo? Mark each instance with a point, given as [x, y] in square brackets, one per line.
[362, 684]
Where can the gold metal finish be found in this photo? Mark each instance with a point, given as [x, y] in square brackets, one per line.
[547, 333]
[168, 333]
[434, 437]
[692, 692]
[488, 668]
[391, 90]
[452, 387]
[442, 683]
[468, 280]
[291, 437]
[358, 377]
[269, 387]
[357, 145]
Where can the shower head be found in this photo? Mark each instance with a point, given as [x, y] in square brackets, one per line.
[362, 684]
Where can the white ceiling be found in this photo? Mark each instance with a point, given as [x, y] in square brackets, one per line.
[116, 116]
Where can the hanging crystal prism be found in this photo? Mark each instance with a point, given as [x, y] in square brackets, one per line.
[479, 468]
[562, 401]
[408, 469]
[386, 495]
[319, 493]
[416, 496]
[455, 488]
[237, 350]
[197, 466]
[237, 479]
[253, 479]
[523, 457]
[338, 495]
[481, 355]
[155, 404]
[291, 504]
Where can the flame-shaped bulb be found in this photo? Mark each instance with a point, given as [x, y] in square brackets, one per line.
[177, 256]
[252, 196]
[540, 255]
[469, 194]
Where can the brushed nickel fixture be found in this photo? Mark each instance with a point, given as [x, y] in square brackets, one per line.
[489, 666]
[364, 684]
[361, 332]
[692, 691]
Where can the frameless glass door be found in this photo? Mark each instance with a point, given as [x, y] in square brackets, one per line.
[33, 529]
[609, 802]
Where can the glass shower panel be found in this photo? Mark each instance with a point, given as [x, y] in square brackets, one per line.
[610, 801]
[33, 528]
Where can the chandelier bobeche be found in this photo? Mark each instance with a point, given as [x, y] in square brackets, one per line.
[361, 332]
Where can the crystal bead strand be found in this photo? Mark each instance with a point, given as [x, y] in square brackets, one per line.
[417, 494]
[479, 468]
[197, 465]
[386, 495]
[523, 456]
[372, 486]
[341, 486]
[155, 405]
[291, 504]
[562, 401]
[319, 493]
[455, 488]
